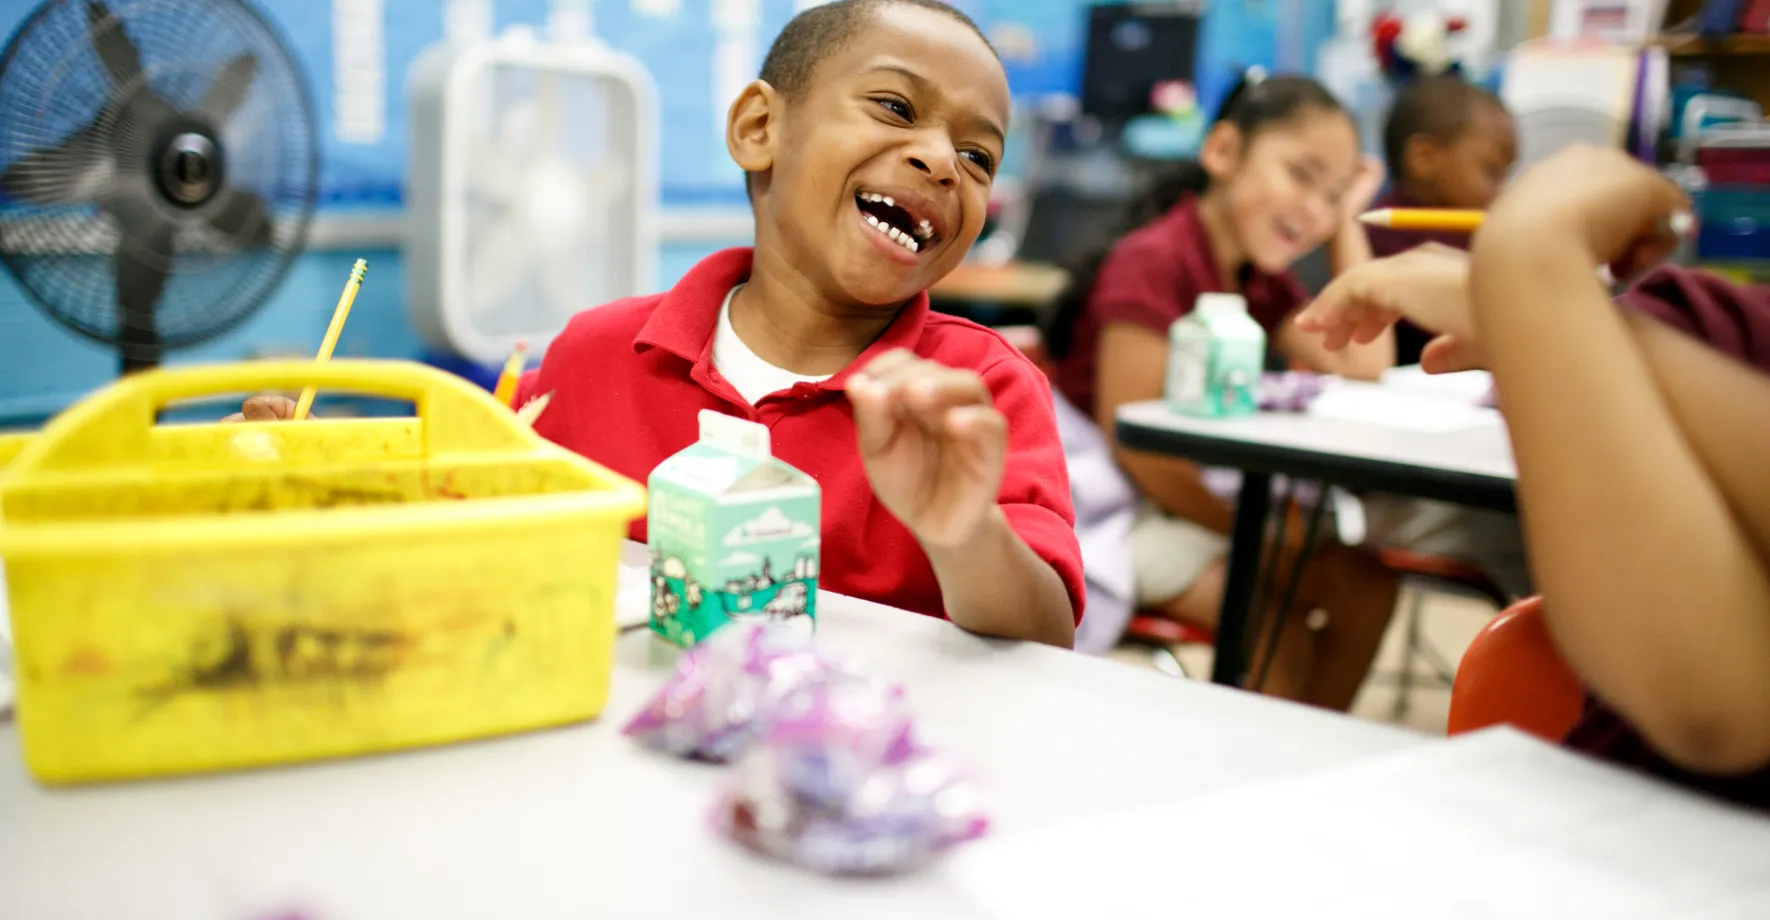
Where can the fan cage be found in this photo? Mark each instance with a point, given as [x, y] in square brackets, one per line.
[52, 85]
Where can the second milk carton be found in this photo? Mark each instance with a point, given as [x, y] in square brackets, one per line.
[1215, 356]
[733, 534]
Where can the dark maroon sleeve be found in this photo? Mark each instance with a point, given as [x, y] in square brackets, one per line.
[1140, 283]
[1731, 318]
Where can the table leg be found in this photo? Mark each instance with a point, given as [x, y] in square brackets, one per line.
[1246, 540]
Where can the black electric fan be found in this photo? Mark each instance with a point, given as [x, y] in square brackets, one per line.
[158, 168]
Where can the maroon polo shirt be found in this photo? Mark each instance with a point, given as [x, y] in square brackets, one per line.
[1410, 339]
[1151, 278]
[1735, 320]
[629, 379]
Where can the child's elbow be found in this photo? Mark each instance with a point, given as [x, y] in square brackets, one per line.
[1729, 739]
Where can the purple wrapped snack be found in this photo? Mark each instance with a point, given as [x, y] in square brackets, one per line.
[840, 786]
[1290, 391]
[726, 691]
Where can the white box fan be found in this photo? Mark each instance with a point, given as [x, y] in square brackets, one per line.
[532, 189]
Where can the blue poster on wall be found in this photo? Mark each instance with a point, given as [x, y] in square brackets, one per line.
[1278, 35]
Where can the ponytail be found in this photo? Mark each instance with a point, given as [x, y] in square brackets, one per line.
[1255, 104]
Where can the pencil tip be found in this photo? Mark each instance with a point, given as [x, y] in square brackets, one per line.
[1374, 218]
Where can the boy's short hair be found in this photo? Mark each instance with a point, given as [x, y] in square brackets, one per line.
[1437, 107]
[820, 31]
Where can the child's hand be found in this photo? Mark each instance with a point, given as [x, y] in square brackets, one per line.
[1428, 286]
[1366, 182]
[933, 444]
[264, 409]
[1619, 210]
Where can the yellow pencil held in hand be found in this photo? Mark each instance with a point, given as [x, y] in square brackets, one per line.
[1455, 220]
[1447, 220]
[339, 315]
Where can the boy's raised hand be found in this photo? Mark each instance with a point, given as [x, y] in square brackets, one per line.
[1428, 286]
[1620, 211]
[933, 444]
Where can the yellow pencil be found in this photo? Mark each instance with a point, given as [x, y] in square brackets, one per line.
[1444, 219]
[1455, 220]
[339, 315]
[505, 391]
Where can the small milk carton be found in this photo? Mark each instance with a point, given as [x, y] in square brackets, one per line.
[1215, 356]
[733, 533]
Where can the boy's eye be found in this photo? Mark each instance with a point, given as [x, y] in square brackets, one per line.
[1300, 175]
[982, 159]
[895, 106]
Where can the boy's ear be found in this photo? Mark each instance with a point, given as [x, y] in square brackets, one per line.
[1221, 150]
[1421, 158]
[752, 126]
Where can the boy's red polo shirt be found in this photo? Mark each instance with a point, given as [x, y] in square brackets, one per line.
[628, 380]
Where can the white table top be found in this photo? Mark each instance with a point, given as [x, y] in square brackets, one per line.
[1480, 449]
[1435, 447]
[579, 822]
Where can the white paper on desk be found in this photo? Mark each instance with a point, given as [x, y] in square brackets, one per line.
[1398, 409]
[1495, 824]
[1464, 386]
[632, 596]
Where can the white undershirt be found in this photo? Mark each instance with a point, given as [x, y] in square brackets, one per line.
[751, 376]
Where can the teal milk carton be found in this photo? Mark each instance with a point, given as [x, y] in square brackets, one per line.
[1215, 356]
[733, 534]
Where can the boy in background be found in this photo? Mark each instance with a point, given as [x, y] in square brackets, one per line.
[1448, 144]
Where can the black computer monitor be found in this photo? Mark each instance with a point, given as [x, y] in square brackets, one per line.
[1131, 48]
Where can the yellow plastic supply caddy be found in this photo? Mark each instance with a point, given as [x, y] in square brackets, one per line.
[201, 597]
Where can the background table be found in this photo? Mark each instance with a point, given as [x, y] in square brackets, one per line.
[1469, 466]
[579, 822]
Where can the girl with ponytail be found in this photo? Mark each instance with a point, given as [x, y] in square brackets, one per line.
[1278, 175]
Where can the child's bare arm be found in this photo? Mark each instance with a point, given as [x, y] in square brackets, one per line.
[1133, 361]
[994, 584]
[1655, 590]
[1349, 248]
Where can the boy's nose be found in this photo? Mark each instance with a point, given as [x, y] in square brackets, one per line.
[937, 161]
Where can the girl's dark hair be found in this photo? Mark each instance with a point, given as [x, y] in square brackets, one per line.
[1252, 106]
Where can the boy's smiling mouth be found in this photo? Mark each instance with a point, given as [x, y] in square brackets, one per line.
[908, 224]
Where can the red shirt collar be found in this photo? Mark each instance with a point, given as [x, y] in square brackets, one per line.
[685, 318]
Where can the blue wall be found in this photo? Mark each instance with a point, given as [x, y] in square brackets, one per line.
[42, 367]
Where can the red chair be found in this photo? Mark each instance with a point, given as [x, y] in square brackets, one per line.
[1513, 675]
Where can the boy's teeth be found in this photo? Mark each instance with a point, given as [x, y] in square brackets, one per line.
[895, 235]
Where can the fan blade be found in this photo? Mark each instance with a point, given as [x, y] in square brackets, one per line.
[229, 88]
[138, 263]
[499, 261]
[70, 172]
[242, 218]
[114, 48]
